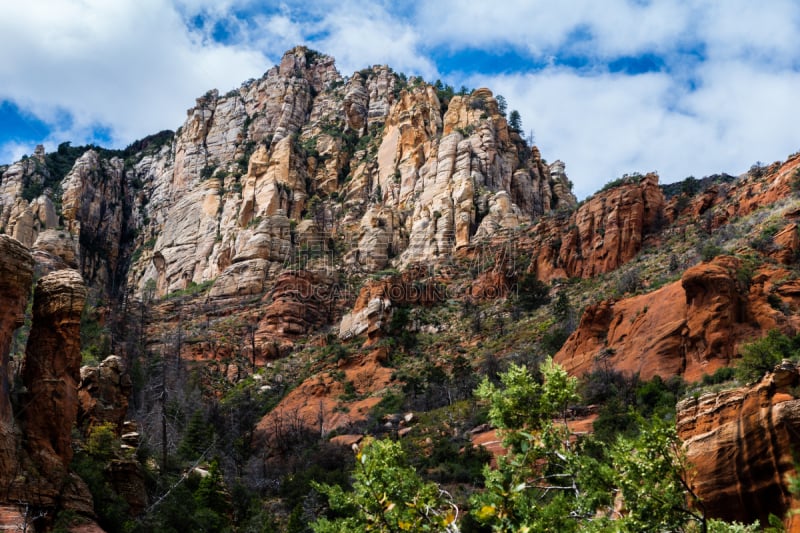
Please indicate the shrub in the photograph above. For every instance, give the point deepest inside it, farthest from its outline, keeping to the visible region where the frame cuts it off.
(531, 292)
(722, 375)
(629, 282)
(762, 355)
(709, 251)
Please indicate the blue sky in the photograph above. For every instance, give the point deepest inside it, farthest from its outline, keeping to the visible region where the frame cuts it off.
(683, 88)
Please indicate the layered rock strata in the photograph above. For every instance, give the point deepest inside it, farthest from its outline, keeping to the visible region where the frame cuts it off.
(741, 443)
(689, 328)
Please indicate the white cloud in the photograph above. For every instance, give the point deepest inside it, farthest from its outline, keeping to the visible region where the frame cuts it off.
(613, 27)
(763, 32)
(13, 151)
(605, 125)
(358, 38)
(130, 64)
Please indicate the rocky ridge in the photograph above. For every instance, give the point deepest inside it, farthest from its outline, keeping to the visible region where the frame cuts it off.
(306, 203)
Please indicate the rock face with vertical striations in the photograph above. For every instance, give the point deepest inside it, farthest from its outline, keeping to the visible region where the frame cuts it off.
(16, 276)
(51, 371)
(604, 233)
(380, 164)
(35, 439)
(741, 443)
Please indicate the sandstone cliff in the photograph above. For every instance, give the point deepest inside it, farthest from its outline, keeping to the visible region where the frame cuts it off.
(604, 233)
(35, 439)
(689, 328)
(374, 161)
(741, 443)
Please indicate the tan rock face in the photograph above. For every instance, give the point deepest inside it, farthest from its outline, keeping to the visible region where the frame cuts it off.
(373, 161)
(93, 209)
(18, 217)
(103, 394)
(741, 443)
(55, 250)
(688, 328)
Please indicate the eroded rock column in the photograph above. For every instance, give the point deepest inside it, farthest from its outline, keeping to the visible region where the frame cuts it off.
(51, 372)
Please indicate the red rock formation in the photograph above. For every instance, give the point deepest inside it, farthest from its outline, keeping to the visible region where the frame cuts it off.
(34, 455)
(604, 233)
(741, 443)
(16, 276)
(687, 328)
(316, 405)
(787, 242)
(301, 302)
(740, 198)
(51, 371)
(103, 394)
(378, 298)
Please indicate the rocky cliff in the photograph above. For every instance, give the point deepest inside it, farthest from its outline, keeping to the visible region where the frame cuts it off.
(741, 443)
(689, 328)
(36, 435)
(317, 243)
(604, 233)
(373, 167)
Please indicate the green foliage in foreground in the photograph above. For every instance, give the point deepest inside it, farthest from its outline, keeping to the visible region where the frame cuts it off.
(549, 480)
(762, 355)
(388, 495)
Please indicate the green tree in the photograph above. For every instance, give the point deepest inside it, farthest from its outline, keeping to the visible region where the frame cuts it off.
(502, 104)
(532, 293)
(388, 496)
(537, 485)
(762, 355)
(212, 504)
(652, 475)
(549, 480)
(515, 121)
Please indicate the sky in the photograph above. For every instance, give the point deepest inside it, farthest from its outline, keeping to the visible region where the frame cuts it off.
(692, 87)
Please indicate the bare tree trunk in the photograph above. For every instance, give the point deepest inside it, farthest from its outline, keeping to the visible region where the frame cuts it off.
(163, 415)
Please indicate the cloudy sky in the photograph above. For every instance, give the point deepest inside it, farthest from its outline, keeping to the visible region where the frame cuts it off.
(683, 88)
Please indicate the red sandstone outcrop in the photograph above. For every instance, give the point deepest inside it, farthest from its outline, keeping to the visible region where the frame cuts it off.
(688, 328)
(378, 298)
(301, 301)
(742, 444)
(51, 371)
(16, 276)
(321, 403)
(761, 186)
(604, 233)
(35, 448)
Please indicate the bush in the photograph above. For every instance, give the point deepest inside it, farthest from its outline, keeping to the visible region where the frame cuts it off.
(532, 293)
(629, 282)
(722, 375)
(762, 355)
(710, 251)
